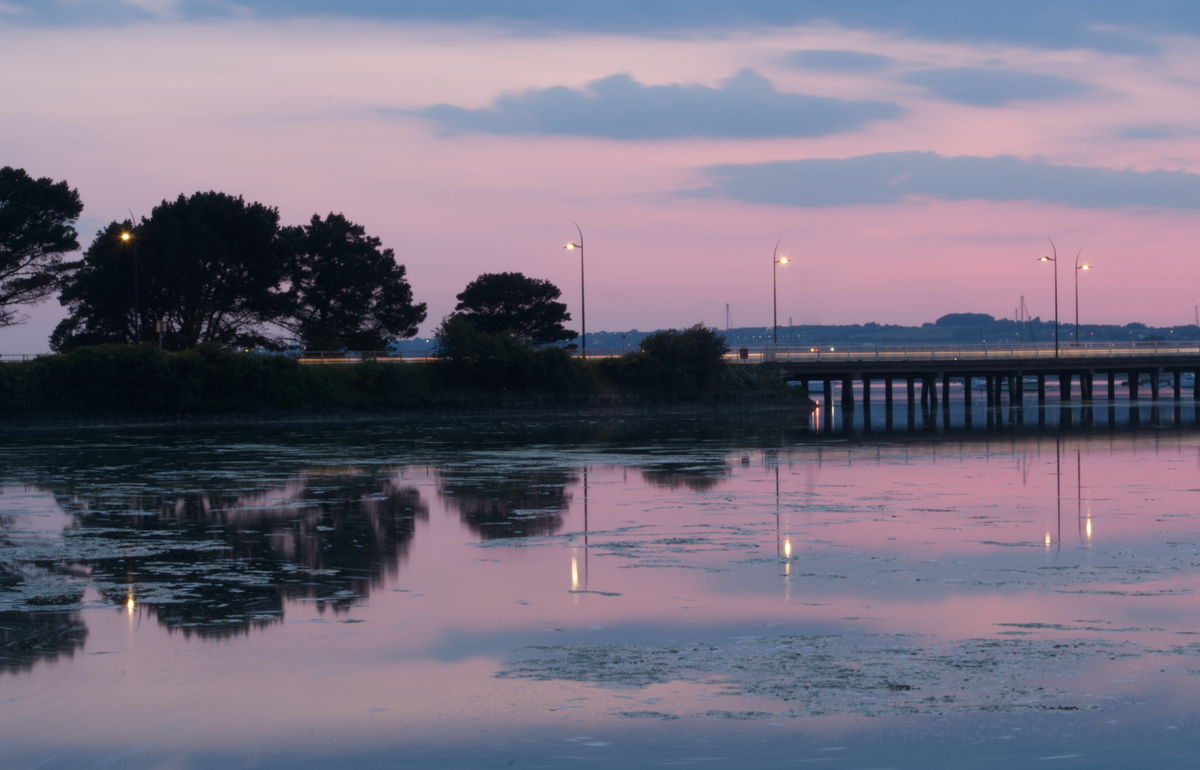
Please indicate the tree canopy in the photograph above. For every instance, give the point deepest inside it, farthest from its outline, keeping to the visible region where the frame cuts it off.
(37, 218)
(345, 291)
(210, 265)
(510, 302)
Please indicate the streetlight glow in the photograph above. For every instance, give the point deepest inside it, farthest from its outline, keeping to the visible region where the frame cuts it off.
(776, 262)
(124, 236)
(1054, 259)
(1078, 267)
(582, 289)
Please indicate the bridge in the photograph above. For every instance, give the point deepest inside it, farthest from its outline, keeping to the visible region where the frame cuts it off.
(1003, 369)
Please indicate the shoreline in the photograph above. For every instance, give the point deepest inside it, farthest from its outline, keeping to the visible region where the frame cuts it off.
(592, 409)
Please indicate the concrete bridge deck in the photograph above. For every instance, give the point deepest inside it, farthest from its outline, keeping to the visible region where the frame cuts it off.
(1002, 368)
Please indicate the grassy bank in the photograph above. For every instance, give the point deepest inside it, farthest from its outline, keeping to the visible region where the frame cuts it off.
(128, 379)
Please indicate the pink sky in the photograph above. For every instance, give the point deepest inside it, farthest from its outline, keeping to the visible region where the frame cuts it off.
(295, 114)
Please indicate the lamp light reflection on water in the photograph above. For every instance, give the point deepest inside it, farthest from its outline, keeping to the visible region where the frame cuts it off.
(574, 573)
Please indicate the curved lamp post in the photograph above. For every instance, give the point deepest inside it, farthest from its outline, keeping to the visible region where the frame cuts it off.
(1078, 267)
(127, 236)
(777, 260)
(1054, 259)
(582, 299)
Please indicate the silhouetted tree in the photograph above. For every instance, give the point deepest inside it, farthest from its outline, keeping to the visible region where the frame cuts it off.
(345, 291)
(209, 265)
(510, 302)
(37, 218)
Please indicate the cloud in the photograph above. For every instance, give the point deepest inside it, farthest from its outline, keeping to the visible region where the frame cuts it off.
(1156, 132)
(839, 61)
(891, 177)
(993, 88)
(618, 107)
(1108, 25)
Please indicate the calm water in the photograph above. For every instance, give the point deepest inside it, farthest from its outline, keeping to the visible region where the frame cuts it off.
(679, 591)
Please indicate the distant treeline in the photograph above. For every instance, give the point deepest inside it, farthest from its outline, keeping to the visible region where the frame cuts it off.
(952, 329)
(478, 369)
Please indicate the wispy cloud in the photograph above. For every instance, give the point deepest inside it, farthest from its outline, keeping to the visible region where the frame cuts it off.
(839, 61)
(993, 87)
(618, 107)
(1107, 25)
(891, 177)
(1160, 131)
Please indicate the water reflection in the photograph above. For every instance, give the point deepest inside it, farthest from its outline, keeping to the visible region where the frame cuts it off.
(217, 563)
(693, 477)
(500, 504)
(29, 637)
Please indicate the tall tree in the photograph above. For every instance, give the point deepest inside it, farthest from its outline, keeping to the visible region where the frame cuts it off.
(346, 292)
(209, 265)
(510, 302)
(37, 218)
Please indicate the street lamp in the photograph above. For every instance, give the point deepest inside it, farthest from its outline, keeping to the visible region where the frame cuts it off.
(1078, 267)
(582, 299)
(127, 236)
(777, 260)
(1054, 259)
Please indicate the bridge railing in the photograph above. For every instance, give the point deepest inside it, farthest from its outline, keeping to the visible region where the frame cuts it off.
(975, 352)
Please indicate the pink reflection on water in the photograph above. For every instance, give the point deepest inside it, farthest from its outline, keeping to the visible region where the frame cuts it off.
(937, 548)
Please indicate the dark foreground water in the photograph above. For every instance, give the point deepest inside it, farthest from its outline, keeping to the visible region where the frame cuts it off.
(693, 590)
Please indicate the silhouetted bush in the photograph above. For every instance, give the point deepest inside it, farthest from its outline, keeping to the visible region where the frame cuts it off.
(504, 364)
(671, 363)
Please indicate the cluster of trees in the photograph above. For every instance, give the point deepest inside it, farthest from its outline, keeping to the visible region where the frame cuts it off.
(220, 272)
(216, 269)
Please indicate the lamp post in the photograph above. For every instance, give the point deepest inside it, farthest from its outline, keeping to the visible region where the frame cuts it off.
(582, 296)
(777, 261)
(127, 236)
(1054, 259)
(1078, 267)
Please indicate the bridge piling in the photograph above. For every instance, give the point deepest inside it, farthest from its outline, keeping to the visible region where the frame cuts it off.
(827, 386)
(1196, 386)
(847, 393)
(1041, 390)
(1133, 385)
(1064, 387)
(1154, 386)
(932, 383)
(1112, 386)
(1178, 383)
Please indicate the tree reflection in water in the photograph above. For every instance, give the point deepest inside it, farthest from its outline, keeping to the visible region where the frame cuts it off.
(507, 504)
(29, 637)
(697, 478)
(325, 536)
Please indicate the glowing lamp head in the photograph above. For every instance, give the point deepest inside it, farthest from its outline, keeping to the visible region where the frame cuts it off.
(570, 246)
(783, 260)
(1045, 259)
(1085, 267)
(124, 236)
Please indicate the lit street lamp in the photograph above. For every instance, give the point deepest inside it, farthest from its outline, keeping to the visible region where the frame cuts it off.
(1054, 259)
(777, 260)
(582, 300)
(137, 326)
(1078, 267)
